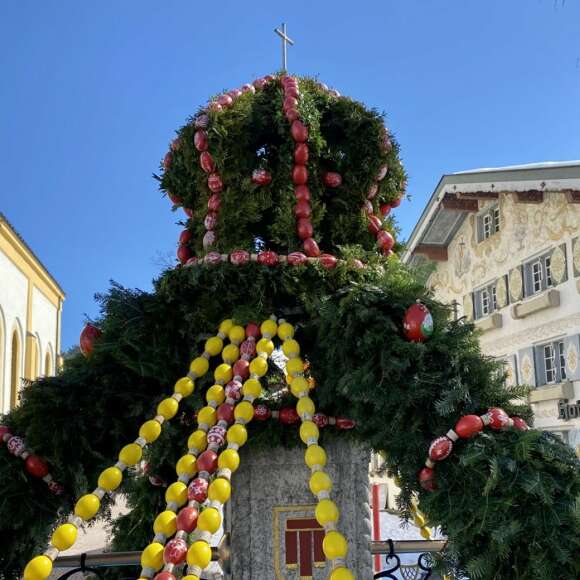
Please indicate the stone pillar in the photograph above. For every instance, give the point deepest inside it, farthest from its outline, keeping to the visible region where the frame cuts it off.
(273, 532)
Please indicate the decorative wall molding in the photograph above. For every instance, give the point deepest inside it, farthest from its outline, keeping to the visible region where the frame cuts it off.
(511, 343)
(548, 299)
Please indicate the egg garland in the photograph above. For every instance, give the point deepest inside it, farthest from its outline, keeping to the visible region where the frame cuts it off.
(64, 537)
(35, 465)
(223, 419)
(466, 428)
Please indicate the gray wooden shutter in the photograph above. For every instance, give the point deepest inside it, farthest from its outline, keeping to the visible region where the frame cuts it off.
(540, 365)
(528, 279)
(527, 367)
(479, 226)
(572, 356)
(477, 304)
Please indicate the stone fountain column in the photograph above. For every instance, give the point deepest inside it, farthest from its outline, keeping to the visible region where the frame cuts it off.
(274, 535)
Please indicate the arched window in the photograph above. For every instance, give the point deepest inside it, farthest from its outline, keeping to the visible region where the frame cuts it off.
(47, 364)
(15, 369)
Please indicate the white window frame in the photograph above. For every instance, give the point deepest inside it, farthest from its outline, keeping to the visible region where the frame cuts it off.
(537, 276)
(485, 304)
(496, 219)
(550, 374)
(488, 223)
(561, 353)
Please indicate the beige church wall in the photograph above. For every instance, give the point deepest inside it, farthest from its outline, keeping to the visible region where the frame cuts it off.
(44, 326)
(13, 296)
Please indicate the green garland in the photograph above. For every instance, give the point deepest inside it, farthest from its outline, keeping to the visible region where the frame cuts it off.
(254, 133)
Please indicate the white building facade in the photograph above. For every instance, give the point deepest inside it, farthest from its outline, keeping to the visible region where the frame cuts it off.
(504, 245)
(30, 316)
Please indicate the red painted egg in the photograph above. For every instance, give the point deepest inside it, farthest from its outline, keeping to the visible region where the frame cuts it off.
(234, 388)
(299, 131)
(225, 101)
(382, 172)
(175, 552)
(202, 121)
(440, 449)
(311, 248)
(297, 258)
(183, 254)
(520, 424)
(89, 335)
(302, 193)
(292, 115)
(299, 175)
(239, 257)
(36, 466)
(253, 330)
(289, 416)
(327, 261)
(345, 424)
(268, 258)
(212, 257)
(200, 140)
(427, 479)
(375, 224)
(261, 177)
(184, 236)
(262, 413)
(197, 489)
(207, 461)
(418, 323)
(175, 199)
(167, 160)
(332, 179)
(304, 228)
(320, 420)
(301, 154)
(214, 202)
(373, 190)
(242, 369)
(215, 183)
(385, 240)
(468, 426)
(210, 221)
(225, 412)
(247, 88)
(209, 240)
(187, 519)
(498, 419)
(302, 210)
(206, 162)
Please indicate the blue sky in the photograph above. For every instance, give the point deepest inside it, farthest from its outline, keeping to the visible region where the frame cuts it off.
(91, 92)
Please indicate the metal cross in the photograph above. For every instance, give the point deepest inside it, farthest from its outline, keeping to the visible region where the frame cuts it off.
(285, 41)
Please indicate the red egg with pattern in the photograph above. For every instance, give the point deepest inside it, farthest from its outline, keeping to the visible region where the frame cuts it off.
(268, 258)
(367, 207)
(302, 193)
(197, 489)
(175, 199)
(261, 177)
(234, 388)
(175, 551)
(200, 140)
(239, 257)
(375, 224)
(247, 88)
(311, 248)
(345, 424)
(396, 202)
(213, 258)
(304, 228)
(328, 261)
(372, 192)
(320, 420)
(297, 258)
(55, 488)
(248, 348)
(167, 160)
(214, 202)
(175, 144)
(206, 162)
(259, 83)
(289, 416)
(215, 183)
(214, 107)
(385, 209)
(262, 413)
(192, 261)
(289, 103)
(242, 369)
(292, 115)
(216, 435)
(520, 424)
(301, 154)
(183, 254)
(15, 445)
(299, 175)
(332, 179)
(498, 419)
(440, 449)
(225, 101)
(210, 221)
(385, 240)
(202, 121)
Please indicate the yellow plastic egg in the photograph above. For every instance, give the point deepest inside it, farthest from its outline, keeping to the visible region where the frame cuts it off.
(268, 328)
(341, 574)
(231, 354)
(237, 334)
(291, 348)
(285, 331)
(419, 520)
(199, 554)
(299, 385)
(165, 523)
(219, 490)
(259, 367)
(252, 388)
(237, 434)
(199, 366)
(295, 366)
(334, 545)
(110, 478)
(87, 506)
(308, 431)
(207, 415)
(131, 454)
(186, 465)
(215, 394)
(425, 533)
(64, 537)
(150, 430)
(244, 410)
(213, 345)
(190, 577)
(38, 568)
(209, 520)
(176, 492)
(320, 481)
(226, 326)
(305, 405)
(223, 373)
(198, 439)
(315, 455)
(168, 408)
(152, 556)
(326, 512)
(184, 386)
(229, 459)
(265, 345)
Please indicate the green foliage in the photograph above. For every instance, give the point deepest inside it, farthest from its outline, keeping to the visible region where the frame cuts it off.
(507, 501)
(254, 133)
